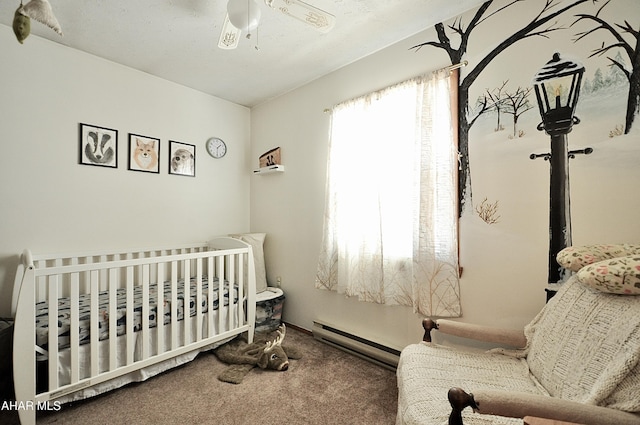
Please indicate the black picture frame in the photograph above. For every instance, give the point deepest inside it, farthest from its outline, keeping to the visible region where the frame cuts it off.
(182, 159)
(144, 153)
(98, 146)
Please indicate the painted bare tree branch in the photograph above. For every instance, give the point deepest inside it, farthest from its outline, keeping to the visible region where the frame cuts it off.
(497, 99)
(488, 211)
(482, 105)
(517, 104)
(540, 26)
(633, 52)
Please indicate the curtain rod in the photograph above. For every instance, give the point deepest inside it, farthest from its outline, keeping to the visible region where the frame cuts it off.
(449, 68)
(456, 66)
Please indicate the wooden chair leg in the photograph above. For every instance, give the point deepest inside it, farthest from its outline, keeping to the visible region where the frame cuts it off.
(459, 400)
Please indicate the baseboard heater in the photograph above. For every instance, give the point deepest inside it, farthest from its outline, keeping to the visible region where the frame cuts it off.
(377, 353)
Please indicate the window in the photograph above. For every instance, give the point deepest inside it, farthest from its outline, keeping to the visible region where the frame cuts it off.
(390, 231)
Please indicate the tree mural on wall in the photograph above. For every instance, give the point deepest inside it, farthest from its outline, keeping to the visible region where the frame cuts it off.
(535, 28)
(633, 52)
(502, 101)
(497, 99)
(517, 104)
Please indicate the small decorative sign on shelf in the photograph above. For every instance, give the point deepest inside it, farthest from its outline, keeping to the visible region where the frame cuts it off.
(270, 158)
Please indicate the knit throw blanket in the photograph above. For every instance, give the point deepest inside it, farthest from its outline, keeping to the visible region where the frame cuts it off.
(585, 346)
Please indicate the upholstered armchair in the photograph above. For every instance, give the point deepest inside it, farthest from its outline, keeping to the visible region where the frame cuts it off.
(577, 361)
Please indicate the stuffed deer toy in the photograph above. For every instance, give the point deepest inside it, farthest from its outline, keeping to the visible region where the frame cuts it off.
(262, 353)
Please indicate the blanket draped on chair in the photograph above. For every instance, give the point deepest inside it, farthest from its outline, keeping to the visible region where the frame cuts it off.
(584, 346)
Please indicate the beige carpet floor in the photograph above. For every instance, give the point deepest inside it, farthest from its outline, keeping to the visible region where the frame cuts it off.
(325, 387)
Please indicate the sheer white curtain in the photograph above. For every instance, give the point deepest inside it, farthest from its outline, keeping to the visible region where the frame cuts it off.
(390, 231)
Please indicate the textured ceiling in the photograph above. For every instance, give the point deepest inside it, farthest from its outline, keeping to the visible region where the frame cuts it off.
(177, 39)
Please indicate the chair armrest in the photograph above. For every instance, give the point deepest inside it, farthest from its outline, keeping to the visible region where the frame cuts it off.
(511, 337)
(518, 405)
(533, 420)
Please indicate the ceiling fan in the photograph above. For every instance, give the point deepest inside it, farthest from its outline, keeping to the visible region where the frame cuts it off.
(244, 15)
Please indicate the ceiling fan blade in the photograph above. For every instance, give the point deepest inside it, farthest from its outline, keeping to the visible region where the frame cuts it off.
(229, 36)
(317, 18)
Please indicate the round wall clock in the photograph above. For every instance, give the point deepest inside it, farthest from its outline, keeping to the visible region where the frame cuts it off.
(216, 147)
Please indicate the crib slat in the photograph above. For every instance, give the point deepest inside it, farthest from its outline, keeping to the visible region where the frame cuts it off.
(160, 311)
(129, 323)
(220, 275)
(75, 327)
(174, 305)
(94, 330)
(186, 276)
(53, 331)
(240, 306)
(210, 276)
(145, 311)
(199, 299)
(113, 317)
(232, 280)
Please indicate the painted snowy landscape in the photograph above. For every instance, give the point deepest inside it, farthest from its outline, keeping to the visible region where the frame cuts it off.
(506, 213)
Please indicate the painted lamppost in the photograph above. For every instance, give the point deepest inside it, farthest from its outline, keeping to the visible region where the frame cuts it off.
(557, 86)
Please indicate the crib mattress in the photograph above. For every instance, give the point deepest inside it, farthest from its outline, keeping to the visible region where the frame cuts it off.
(64, 310)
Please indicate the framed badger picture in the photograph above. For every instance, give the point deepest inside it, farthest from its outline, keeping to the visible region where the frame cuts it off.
(98, 146)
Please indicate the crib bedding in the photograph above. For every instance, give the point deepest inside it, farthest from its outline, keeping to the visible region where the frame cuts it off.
(64, 310)
(84, 353)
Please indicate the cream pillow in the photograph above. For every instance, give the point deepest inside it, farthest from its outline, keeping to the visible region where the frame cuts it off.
(619, 275)
(256, 240)
(576, 257)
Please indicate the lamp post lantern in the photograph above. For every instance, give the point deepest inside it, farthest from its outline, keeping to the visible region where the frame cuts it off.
(557, 87)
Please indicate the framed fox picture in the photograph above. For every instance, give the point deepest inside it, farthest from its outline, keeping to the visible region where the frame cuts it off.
(144, 153)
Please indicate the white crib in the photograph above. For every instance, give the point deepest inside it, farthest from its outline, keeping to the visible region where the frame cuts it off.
(169, 304)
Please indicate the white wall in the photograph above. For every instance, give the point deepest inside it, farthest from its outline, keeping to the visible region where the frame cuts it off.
(505, 265)
(289, 207)
(51, 203)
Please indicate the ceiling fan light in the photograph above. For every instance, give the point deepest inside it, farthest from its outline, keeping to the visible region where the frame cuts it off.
(244, 14)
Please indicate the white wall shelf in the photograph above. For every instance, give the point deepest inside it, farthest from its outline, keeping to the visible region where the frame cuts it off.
(270, 169)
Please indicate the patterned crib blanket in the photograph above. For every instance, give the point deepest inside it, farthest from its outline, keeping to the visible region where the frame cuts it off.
(64, 311)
